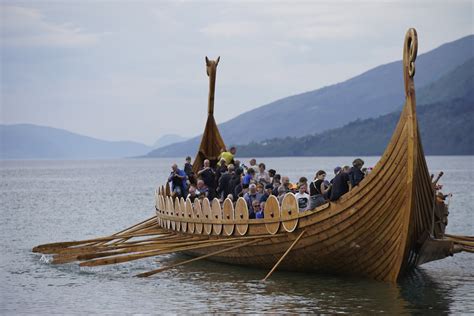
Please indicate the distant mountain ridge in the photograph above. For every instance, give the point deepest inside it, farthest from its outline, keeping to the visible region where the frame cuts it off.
(28, 141)
(446, 126)
(168, 139)
(375, 92)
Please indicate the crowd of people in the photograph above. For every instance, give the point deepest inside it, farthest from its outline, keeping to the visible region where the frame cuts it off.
(230, 178)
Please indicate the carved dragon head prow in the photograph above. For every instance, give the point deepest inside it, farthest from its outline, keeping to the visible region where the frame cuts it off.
(211, 66)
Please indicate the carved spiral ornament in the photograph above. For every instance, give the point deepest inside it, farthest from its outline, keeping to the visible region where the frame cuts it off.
(411, 43)
(410, 51)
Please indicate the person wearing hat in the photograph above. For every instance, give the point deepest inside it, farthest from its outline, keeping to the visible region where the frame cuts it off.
(355, 174)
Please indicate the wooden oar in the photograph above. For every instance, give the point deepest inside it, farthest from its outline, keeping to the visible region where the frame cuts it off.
(67, 255)
(284, 255)
(152, 272)
(146, 254)
(65, 244)
(467, 238)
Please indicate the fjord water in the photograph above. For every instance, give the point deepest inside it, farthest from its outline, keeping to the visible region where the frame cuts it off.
(48, 201)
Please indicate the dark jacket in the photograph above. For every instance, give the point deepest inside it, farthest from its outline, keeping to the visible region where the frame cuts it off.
(355, 176)
(340, 186)
(225, 185)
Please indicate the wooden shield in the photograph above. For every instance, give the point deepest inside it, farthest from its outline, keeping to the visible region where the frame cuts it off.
(241, 214)
(182, 205)
(198, 215)
(272, 212)
(175, 224)
(163, 205)
(157, 200)
(167, 189)
(169, 211)
(216, 212)
(207, 216)
(228, 215)
(188, 214)
(289, 212)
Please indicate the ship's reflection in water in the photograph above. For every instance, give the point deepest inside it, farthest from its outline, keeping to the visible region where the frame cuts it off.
(235, 289)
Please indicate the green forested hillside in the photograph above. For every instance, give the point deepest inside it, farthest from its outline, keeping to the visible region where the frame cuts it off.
(447, 128)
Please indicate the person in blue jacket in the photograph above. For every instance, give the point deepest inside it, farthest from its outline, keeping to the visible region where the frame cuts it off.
(178, 181)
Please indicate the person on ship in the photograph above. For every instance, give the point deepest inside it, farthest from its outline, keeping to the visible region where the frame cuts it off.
(225, 183)
(303, 198)
(253, 165)
(262, 176)
(318, 190)
(327, 195)
(235, 186)
(202, 189)
(249, 177)
(188, 167)
(251, 196)
(228, 156)
(271, 173)
(285, 182)
(340, 184)
(192, 193)
(178, 179)
(301, 181)
(221, 169)
(267, 193)
(356, 175)
(281, 192)
(208, 175)
(259, 209)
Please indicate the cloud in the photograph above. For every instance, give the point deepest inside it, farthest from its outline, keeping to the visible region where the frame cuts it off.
(26, 27)
(230, 29)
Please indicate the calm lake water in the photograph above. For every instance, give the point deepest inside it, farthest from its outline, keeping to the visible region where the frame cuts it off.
(47, 201)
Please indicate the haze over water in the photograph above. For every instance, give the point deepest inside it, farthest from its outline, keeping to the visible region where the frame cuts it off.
(48, 201)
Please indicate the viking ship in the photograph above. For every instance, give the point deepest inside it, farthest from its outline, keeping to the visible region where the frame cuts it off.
(384, 227)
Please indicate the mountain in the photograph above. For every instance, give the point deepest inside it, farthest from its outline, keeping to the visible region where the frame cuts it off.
(446, 126)
(168, 139)
(376, 92)
(446, 129)
(27, 141)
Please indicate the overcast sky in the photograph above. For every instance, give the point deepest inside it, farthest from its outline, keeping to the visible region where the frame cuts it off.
(135, 70)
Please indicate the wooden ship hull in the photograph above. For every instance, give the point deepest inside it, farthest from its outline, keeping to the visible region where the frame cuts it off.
(381, 229)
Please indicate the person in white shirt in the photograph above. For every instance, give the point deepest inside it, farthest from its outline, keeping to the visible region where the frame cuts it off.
(253, 165)
(303, 198)
(262, 176)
